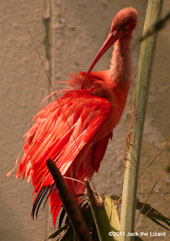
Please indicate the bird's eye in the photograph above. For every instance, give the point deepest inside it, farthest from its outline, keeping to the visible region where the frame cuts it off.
(124, 29)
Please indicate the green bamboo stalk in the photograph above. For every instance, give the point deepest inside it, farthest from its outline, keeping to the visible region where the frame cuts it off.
(132, 165)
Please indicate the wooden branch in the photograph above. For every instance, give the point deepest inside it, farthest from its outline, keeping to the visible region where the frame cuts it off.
(133, 157)
(69, 204)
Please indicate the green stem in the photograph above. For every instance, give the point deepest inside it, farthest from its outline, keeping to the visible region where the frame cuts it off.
(103, 222)
(133, 157)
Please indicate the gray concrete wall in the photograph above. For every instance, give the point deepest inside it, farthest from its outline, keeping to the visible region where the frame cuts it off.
(23, 85)
(78, 28)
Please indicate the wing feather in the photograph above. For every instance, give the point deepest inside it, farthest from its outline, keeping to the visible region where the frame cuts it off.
(63, 131)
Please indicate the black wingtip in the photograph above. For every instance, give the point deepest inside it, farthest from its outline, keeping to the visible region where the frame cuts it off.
(40, 197)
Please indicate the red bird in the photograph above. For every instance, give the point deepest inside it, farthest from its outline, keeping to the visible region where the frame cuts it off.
(74, 129)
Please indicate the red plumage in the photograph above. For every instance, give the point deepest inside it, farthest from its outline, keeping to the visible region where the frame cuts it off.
(63, 131)
(74, 129)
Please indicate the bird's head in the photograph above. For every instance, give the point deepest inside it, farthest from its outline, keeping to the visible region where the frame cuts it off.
(124, 23)
(122, 27)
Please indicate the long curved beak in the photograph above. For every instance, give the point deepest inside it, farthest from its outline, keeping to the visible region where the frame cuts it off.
(112, 37)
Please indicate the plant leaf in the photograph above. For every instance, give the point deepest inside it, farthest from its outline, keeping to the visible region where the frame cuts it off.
(153, 214)
(112, 214)
(57, 232)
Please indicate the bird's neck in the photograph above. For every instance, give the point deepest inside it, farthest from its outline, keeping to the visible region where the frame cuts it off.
(120, 68)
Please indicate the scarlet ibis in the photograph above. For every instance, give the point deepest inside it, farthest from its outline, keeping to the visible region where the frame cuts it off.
(74, 129)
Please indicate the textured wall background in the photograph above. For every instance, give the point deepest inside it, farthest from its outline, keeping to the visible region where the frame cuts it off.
(76, 31)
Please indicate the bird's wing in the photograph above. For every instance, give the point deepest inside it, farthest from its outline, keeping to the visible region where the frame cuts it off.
(91, 158)
(60, 131)
(81, 168)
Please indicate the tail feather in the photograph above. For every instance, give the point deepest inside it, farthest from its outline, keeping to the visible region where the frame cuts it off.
(56, 204)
